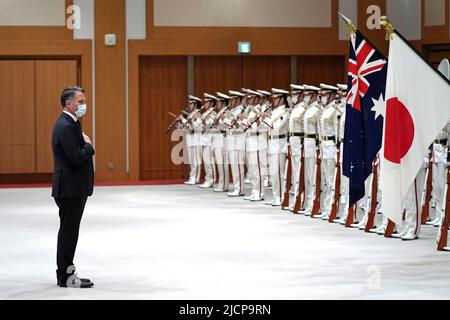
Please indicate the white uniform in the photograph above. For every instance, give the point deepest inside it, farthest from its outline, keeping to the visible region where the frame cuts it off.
(196, 136)
(256, 148)
(413, 206)
(207, 154)
(277, 148)
(236, 148)
(296, 136)
(310, 127)
(344, 192)
(246, 155)
(220, 155)
(440, 148)
(328, 127)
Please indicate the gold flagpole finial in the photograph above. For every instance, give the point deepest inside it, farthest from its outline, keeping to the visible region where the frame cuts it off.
(349, 26)
(387, 25)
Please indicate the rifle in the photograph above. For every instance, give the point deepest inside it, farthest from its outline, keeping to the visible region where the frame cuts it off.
(443, 232)
(174, 122)
(287, 180)
(428, 187)
(301, 183)
(373, 203)
(350, 216)
(337, 188)
(316, 205)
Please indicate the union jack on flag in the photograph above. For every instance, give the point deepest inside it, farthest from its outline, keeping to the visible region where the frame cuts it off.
(367, 72)
(360, 65)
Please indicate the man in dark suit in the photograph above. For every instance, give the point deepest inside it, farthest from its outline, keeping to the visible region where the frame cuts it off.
(73, 181)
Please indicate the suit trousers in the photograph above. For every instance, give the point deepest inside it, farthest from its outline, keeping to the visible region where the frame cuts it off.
(70, 213)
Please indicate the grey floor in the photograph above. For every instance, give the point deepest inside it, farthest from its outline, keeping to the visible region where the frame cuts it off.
(182, 242)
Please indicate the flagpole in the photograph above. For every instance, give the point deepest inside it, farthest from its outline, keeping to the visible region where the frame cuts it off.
(388, 26)
(354, 30)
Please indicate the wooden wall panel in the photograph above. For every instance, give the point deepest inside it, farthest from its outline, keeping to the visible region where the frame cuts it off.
(17, 114)
(110, 115)
(52, 76)
(266, 72)
(314, 70)
(163, 88)
(217, 73)
(25, 33)
(376, 36)
(223, 40)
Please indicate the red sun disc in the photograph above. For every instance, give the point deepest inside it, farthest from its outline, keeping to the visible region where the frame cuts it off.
(399, 131)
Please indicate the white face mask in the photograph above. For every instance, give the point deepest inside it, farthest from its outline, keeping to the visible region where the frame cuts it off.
(307, 98)
(290, 101)
(81, 111)
(294, 99)
(324, 100)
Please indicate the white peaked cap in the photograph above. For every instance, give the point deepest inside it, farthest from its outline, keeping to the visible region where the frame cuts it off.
(236, 93)
(256, 93)
(222, 95)
(209, 96)
(324, 86)
(297, 87)
(310, 88)
(343, 87)
(191, 97)
(279, 91)
(264, 92)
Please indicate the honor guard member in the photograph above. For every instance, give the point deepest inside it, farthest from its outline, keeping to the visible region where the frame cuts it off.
(266, 107)
(218, 133)
(277, 123)
(196, 129)
(235, 142)
(327, 131)
(310, 119)
(208, 162)
(344, 191)
(440, 149)
(243, 116)
(256, 146)
(296, 135)
(413, 207)
(194, 105)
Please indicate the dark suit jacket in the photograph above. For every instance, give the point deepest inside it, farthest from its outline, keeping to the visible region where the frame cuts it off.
(73, 174)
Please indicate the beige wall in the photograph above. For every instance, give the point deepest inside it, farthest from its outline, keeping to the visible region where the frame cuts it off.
(240, 13)
(32, 12)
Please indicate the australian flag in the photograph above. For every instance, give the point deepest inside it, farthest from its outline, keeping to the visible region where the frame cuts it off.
(367, 71)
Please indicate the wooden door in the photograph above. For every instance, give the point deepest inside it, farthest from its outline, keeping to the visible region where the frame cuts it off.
(17, 114)
(314, 70)
(266, 72)
(163, 89)
(217, 73)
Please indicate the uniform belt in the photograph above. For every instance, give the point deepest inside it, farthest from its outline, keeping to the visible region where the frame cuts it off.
(328, 138)
(235, 132)
(441, 141)
(256, 134)
(282, 136)
(221, 132)
(311, 136)
(296, 134)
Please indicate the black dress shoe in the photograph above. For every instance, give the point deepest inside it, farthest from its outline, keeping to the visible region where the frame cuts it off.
(70, 279)
(74, 282)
